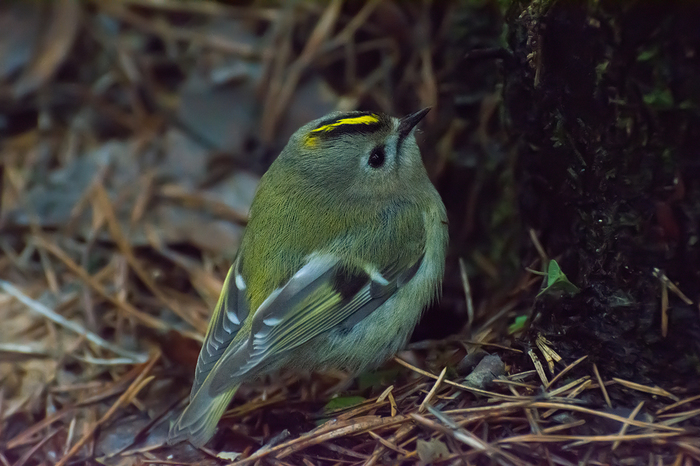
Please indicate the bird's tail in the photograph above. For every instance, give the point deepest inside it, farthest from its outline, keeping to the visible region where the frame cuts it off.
(198, 422)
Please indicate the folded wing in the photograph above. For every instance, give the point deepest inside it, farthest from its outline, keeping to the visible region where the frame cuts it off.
(322, 295)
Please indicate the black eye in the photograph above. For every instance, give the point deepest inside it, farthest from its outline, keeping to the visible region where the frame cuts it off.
(376, 157)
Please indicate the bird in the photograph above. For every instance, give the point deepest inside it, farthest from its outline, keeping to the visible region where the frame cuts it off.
(344, 248)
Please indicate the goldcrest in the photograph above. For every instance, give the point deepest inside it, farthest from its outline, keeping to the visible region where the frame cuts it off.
(344, 248)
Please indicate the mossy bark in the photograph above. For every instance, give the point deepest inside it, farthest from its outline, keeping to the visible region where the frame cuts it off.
(605, 97)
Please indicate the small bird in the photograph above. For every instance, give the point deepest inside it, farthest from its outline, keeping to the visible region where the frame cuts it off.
(344, 248)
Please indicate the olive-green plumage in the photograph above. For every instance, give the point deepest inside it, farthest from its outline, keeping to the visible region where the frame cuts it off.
(344, 248)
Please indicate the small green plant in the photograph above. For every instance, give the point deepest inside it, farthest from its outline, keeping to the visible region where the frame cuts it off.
(342, 402)
(556, 280)
(517, 325)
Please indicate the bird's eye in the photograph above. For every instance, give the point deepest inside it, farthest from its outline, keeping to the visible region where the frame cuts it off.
(376, 157)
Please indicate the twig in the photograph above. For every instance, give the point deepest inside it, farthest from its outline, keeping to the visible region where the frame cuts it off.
(574, 393)
(276, 104)
(538, 367)
(30, 453)
(39, 308)
(643, 388)
(679, 417)
(458, 385)
(664, 308)
(432, 391)
(24, 437)
(570, 385)
(464, 436)
(624, 427)
(602, 386)
(328, 431)
(400, 434)
(136, 386)
(130, 310)
(538, 246)
(550, 430)
(530, 438)
(467, 293)
(388, 444)
(677, 404)
(671, 286)
(104, 205)
(564, 371)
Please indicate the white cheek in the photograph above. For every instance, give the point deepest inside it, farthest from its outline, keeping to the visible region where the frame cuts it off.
(390, 148)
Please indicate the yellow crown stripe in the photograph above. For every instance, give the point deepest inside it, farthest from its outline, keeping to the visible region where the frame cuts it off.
(360, 120)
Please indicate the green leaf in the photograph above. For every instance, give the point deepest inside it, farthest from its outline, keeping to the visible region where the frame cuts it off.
(518, 325)
(553, 272)
(342, 402)
(557, 281)
(646, 55)
(661, 99)
(601, 69)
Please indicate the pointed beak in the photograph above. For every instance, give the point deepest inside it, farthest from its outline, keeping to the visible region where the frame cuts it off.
(409, 122)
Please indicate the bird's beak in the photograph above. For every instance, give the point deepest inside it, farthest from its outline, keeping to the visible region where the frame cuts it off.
(407, 123)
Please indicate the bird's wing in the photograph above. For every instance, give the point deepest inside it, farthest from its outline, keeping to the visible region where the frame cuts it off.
(231, 311)
(322, 294)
